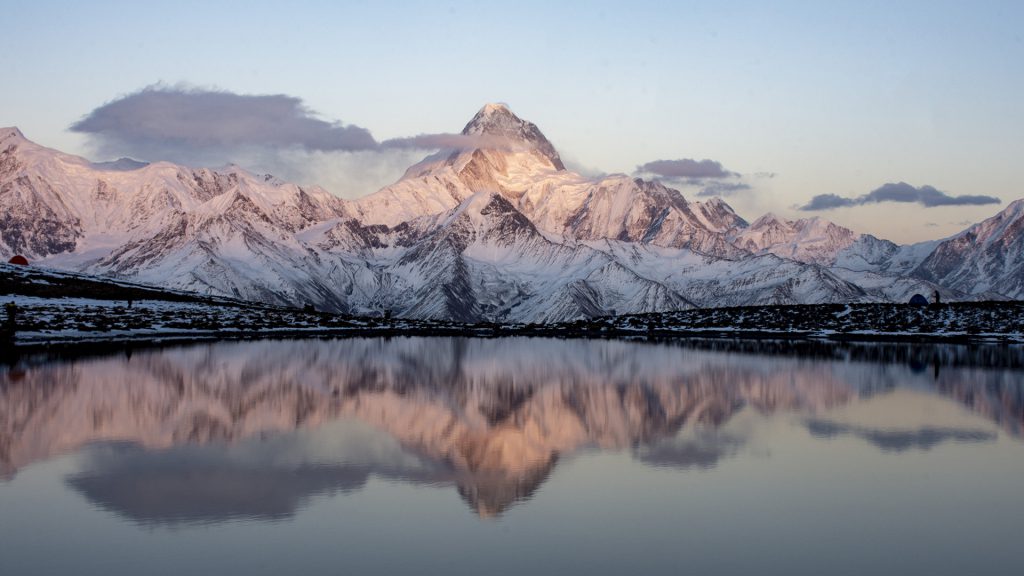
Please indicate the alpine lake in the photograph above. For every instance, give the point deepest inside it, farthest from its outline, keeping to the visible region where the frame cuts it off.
(429, 455)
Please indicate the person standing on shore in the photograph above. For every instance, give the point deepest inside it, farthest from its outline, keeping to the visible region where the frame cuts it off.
(11, 323)
(12, 315)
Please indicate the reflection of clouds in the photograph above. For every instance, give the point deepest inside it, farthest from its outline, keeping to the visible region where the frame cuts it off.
(202, 484)
(702, 450)
(924, 438)
(221, 482)
(151, 489)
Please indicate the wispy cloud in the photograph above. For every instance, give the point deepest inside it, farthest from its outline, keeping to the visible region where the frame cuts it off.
(926, 196)
(452, 142)
(723, 188)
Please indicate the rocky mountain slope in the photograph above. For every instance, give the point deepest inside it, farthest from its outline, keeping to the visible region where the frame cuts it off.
(498, 230)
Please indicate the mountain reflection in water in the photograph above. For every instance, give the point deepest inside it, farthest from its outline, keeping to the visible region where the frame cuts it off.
(195, 434)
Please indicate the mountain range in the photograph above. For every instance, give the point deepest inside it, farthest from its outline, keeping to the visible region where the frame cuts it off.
(501, 232)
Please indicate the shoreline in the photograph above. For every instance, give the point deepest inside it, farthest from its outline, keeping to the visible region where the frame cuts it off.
(39, 343)
(43, 323)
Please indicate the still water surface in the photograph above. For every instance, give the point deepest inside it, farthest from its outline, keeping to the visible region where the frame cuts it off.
(513, 456)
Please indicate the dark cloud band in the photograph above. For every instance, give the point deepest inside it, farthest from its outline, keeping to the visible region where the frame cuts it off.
(177, 116)
(723, 188)
(926, 196)
(686, 168)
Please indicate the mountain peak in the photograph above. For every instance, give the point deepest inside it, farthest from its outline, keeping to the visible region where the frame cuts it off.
(498, 120)
(768, 219)
(495, 107)
(11, 132)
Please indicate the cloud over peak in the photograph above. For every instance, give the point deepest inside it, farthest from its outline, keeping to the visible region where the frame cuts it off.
(926, 196)
(270, 132)
(186, 124)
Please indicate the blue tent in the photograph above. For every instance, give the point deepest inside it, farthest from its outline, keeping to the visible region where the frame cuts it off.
(918, 300)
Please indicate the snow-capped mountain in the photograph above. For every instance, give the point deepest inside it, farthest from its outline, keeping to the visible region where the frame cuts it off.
(987, 257)
(523, 167)
(985, 260)
(810, 240)
(484, 259)
(227, 232)
(868, 253)
(498, 230)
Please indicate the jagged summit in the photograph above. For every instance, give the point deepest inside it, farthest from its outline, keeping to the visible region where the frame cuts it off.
(498, 120)
(768, 219)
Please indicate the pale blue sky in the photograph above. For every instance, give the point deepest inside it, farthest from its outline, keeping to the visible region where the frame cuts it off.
(832, 97)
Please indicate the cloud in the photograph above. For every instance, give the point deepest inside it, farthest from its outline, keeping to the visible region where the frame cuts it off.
(451, 142)
(704, 450)
(927, 196)
(265, 133)
(828, 202)
(686, 168)
(165, 117)
(723, 188)
(204, 484)
(709, 176)
(923, 439)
